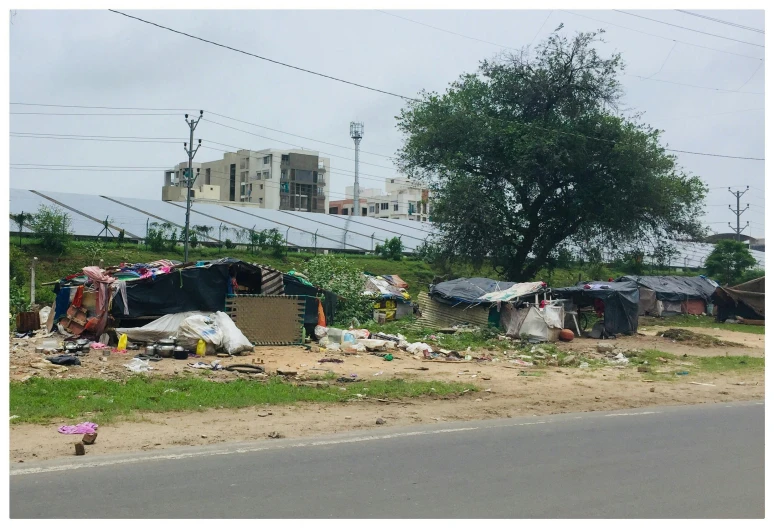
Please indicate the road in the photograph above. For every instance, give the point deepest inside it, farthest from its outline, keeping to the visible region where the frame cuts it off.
(703, 461)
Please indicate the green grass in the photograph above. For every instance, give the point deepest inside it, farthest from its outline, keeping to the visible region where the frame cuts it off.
(41, 400)
(700, 321)
(699, 364)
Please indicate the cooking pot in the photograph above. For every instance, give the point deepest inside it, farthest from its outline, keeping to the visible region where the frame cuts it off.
(82, 342)
(180, 353)
(164, 350)
(71, 346)
(166, 342)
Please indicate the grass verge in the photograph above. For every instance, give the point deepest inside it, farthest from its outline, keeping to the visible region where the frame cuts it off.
(40, 400)
(667, 370)
(699, 321)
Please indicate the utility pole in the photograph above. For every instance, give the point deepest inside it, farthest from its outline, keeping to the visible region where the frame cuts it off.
(356, 133)
(738, 212)
(189, 177)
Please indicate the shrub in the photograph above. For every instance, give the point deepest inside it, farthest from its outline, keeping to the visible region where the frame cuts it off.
(338, 275)
(53, 227)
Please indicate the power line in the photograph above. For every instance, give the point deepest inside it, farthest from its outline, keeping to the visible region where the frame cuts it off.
(719, 21)
(751, 77)
(689, 29)
(715, 155)
(693, 85)
(82, 114)
(209, 112)
(265, 58)
(446, 30)
(662, 37)
(541, 27)
(674, 44)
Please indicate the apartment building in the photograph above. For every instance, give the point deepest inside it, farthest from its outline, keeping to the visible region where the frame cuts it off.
(401, 200)
(291, 180)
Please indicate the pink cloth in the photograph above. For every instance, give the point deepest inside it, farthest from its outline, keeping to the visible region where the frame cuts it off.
(81, 428)
(102, 280)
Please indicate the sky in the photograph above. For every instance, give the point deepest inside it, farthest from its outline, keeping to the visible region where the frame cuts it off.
(705, 91)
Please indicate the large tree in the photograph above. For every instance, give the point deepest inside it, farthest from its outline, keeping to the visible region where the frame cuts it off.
(530, 154)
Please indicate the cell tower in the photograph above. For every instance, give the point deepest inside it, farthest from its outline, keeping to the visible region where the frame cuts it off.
(356, 133)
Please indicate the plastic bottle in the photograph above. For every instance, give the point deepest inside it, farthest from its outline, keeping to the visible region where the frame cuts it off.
(122, 342)
(201, 348)
(348, 337)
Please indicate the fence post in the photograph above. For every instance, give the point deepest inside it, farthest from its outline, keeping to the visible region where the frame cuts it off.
(32, 281)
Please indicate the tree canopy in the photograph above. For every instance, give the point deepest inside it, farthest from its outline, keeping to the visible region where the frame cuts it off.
(530, 154)
(729, 261)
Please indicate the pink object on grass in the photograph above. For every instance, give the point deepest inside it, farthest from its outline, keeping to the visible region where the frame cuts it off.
(81, 428)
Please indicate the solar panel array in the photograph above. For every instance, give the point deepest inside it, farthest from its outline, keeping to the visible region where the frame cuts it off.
(300, 229)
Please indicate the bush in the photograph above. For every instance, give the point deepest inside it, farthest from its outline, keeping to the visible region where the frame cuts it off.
(229, 244)
(392, 249)
(338, 275)
(729, 262)
(53, 227)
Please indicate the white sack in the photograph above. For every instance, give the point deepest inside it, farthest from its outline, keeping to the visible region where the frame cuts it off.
(164, 327)
(234, 341)
(199, 326)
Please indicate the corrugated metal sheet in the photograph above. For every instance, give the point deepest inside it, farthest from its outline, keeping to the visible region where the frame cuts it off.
(438, 315)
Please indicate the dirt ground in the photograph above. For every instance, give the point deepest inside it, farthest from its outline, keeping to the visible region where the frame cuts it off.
(503, 392)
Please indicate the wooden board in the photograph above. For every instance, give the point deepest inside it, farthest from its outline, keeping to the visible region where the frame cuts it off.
(439, 315)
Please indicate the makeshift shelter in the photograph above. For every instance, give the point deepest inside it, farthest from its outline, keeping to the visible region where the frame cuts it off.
(746, 300)
(515, 307)
(620, 299)
(665, 295)
(393, 299)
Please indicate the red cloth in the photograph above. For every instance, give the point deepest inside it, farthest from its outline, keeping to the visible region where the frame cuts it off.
(78, 298)
(599, 307)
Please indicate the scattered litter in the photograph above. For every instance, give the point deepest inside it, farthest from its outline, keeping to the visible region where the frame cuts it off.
(417, 348)
(330, 360)
(81, 428)
(703, 384)
(275, 434)
(619, 359)
(138, 365)
(583, 365)
(166, 391)
(388, 357)
(64, 360)
(379, 373)
(521, 362)
(15, 416)
(682, 373)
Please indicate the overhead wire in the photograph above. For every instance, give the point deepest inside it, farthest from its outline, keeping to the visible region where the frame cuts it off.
(265, 58)
(662, 37)
(726, 22)
(689, 29)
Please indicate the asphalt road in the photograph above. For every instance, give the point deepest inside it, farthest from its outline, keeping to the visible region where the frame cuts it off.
(702, 461)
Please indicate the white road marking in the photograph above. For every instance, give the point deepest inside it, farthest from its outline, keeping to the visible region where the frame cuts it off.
(269, 446)
(634, 414)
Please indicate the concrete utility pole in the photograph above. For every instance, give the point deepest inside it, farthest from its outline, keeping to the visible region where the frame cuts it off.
(189, 178)
(356, 133)
(738, 212)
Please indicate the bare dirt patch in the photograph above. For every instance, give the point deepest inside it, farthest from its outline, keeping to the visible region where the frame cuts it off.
(505, 390)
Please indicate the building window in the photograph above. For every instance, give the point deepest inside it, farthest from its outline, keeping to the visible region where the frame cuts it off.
(286, 157)
(266, 160)
(260, 200)
(284, 175)
(345, 211)
(266, 175)
(207, 176)
(232, 183)
(261, 186)
(333, 210)
(370, 208)
(395, 207)
(384, 206)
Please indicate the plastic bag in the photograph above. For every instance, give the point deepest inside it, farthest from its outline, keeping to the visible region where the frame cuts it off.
(416, 348)
(234, 341)
(320, 331)
(138, 365)
(201, 348)
(45, 312)
(122, 342)
(199, 327)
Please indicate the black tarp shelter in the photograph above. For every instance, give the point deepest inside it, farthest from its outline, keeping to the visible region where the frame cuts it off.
(746, 300)
(466, 290)
(677, 294)
(621, 301)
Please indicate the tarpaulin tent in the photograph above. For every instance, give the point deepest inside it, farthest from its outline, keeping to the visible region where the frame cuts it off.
(621, 300)
(674, 294)
(466, 290)
(746, 300)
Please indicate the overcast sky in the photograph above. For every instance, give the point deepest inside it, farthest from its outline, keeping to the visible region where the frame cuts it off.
(98, 58)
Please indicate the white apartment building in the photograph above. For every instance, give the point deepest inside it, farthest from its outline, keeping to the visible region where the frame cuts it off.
(401, 200)
(293, 180)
